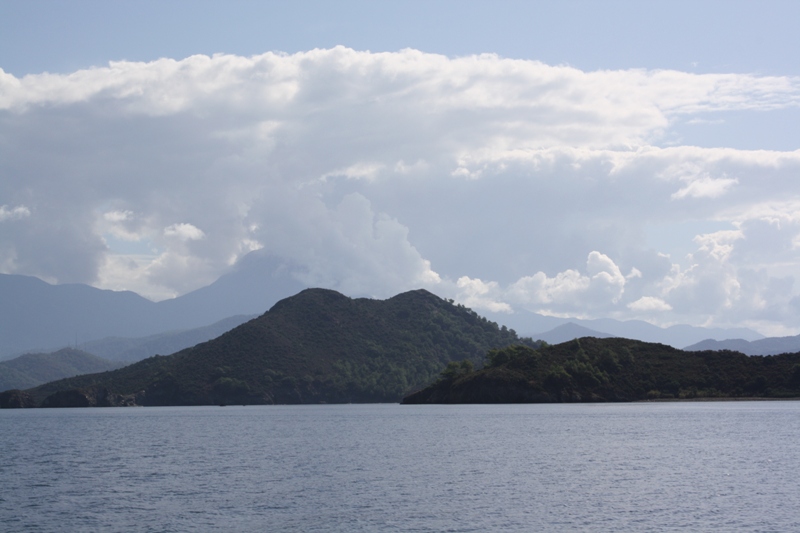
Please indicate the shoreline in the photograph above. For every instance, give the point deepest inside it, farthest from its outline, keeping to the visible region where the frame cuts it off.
(721, 399)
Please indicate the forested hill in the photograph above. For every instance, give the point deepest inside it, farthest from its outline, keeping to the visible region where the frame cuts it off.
(592, 370)
(317, 346)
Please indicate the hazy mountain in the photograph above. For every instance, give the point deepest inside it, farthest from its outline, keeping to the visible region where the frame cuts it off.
(317, 346)
(131, 350)
(767, 346)
(534, 325)
(677, 336)
(37, 316)
(567, 332)
(33, 369)
(253, 285)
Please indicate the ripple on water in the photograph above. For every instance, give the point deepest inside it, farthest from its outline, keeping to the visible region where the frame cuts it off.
(633, 467)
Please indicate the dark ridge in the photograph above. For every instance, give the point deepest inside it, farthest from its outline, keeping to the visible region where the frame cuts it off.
(613, 370)
(317, 346)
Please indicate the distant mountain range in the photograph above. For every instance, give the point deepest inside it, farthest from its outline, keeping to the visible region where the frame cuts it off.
(768, 346)
(37, 316)
(538, 326)
(567, 332)
(762, 346)
(130, 350)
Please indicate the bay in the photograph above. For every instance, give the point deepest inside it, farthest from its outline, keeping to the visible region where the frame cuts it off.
(711, 466)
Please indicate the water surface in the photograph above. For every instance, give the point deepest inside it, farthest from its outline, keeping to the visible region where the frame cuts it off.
(723, 466)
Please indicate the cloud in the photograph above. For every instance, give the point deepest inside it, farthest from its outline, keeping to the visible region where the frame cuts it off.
(649, 303)
(705, 187)
(571, 291)
(184, 232)
(504, 183)
(14, 213)
(477, 294)
(364, 170)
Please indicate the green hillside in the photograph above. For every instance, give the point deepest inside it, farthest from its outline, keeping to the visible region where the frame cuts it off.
(317, 346)
(591, 369)
(33, 369)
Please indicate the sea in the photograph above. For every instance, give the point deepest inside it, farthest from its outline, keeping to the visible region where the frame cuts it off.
(662, 466)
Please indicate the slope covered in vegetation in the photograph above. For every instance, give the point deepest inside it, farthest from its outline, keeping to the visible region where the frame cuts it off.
(591, 369)
(317, 346)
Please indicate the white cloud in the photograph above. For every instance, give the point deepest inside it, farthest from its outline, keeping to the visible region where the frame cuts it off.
(359, 251)
(718, 245)
(365, 171)
(602, 285)
(121, 225)
(479, 295)
(117, 216)
(504, 183)
(649, 303)
(184, 232)
(705, 187)
(14, 213)
(634, 273)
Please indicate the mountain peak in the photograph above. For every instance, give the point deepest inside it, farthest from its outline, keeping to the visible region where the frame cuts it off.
(316, 346)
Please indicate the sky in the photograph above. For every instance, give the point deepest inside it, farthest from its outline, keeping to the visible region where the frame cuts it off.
(576, 159)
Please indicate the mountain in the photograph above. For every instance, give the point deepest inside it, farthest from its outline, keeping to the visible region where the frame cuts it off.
(768, 346)
(253, 285)
(317, 346)
(676, 336)
(615, 369)
(534, 325)
(37, 316)
(130, 350)
(567, 332)
(33, 369)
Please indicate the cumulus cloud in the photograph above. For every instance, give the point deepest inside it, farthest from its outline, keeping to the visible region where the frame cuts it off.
(477, 294)
(504, 183)
(571, 291)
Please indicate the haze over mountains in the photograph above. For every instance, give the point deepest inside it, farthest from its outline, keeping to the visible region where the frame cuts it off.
(33, 369)
(38, 317)
(768, 346)
(678, 336)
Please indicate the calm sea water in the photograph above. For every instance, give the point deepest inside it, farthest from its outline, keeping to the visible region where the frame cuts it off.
(728, 466)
